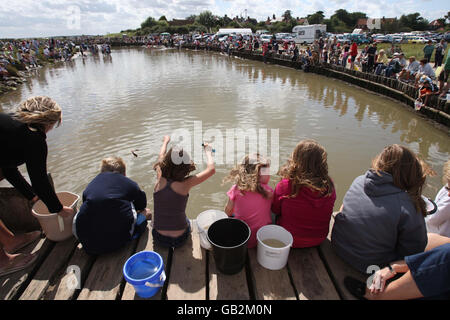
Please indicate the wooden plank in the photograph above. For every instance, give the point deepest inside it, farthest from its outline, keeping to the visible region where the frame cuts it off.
(146, 244)
(187, 274)
(226, 287)
(310, 276)
(270, 284)
(106, 275)
(49, 269)
(12, 285)
(338, 269)
(67, 283)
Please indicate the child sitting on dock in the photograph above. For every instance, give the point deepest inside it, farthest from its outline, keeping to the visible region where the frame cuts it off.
(250, 198)
(304, 198)
(113, 210)
(171, 228)
(440, 221)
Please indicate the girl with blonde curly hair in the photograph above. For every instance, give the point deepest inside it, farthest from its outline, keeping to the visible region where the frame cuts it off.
(23, 141)
(250, 197)
(305, 196)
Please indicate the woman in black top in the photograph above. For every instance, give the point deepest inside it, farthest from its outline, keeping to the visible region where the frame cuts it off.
(23, 141)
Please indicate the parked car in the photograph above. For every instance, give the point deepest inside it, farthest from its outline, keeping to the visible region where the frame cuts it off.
(447, 37)
(397, 39)
(265, 37)
(418, 40)
(383, 39)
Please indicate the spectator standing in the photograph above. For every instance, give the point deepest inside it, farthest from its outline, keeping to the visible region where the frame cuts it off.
(428, 50)
(439, 54)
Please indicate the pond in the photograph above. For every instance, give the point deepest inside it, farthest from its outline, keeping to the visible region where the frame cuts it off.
(132, 99)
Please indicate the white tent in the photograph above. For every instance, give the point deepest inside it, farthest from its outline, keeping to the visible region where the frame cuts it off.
(242, 31)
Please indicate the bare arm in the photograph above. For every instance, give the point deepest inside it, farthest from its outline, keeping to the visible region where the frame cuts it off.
(229, 207)
(162, 153)
(205, 174)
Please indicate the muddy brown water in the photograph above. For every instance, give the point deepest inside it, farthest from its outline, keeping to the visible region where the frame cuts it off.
(132, 99)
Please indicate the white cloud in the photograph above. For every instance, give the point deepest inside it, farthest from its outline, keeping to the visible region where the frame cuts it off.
(28, 18)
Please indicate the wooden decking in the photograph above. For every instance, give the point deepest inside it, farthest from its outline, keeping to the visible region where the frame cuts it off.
(311, 274)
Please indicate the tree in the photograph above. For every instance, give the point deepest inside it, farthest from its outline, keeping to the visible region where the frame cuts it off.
(414, 21)
(162, 18)
(192, 17)
(343, 15)
(316, 18)
(148, 23)
(207, 19)
(287, 16)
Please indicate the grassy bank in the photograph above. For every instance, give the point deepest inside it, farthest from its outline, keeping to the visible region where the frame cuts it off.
(409, 49)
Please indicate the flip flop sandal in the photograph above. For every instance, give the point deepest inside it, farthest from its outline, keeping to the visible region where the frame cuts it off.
(23, 245)
(355, 287)
(7, 271)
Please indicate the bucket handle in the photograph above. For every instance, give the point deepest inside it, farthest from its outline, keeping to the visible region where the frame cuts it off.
(61, 223)
(162, 278)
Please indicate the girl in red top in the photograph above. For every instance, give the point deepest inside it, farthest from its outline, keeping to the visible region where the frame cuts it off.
(353, 53)
(304, 199)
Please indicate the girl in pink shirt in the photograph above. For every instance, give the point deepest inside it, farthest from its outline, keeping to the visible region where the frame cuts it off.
(304, 199)
(250, 198)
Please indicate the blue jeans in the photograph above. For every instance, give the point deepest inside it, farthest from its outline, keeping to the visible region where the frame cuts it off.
(171, 242)
(139, 225)
(431, 272)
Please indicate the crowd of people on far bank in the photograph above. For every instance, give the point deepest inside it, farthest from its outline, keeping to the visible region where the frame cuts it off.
(384, 220)
(24, 55)
(390, 63)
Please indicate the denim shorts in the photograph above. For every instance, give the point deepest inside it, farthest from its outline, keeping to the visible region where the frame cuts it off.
(431, 272)
(171, 242)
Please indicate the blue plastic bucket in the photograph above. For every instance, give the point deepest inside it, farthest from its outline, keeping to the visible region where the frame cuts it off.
(145, 271)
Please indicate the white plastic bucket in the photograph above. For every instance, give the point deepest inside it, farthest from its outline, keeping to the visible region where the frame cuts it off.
(204, 221)
(55, 227)
(269, 257)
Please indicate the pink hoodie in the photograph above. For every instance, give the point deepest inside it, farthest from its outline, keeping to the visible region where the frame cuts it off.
(306, 217)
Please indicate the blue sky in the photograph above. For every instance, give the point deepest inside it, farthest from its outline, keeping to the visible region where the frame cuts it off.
(30, 18)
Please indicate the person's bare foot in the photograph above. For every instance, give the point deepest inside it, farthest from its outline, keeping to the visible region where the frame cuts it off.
(148, 214)
(16, 262)
(21, 240)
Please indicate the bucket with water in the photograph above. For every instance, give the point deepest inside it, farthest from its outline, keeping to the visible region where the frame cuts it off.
(274, 244)
(145, 272)
(229, 238)
(204, 221)
(55, 227)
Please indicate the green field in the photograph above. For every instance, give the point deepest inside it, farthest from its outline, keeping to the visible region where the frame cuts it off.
(409, 49)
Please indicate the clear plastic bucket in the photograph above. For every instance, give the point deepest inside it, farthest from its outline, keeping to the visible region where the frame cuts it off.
(204, 221)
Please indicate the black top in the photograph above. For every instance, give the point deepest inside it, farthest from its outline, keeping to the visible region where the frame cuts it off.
(105, 219)
(170, 209)
(21, 145)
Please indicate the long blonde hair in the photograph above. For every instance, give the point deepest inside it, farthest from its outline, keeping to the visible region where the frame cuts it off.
(308, 167)
(39, 112)
(246, 176)
(408, 172)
